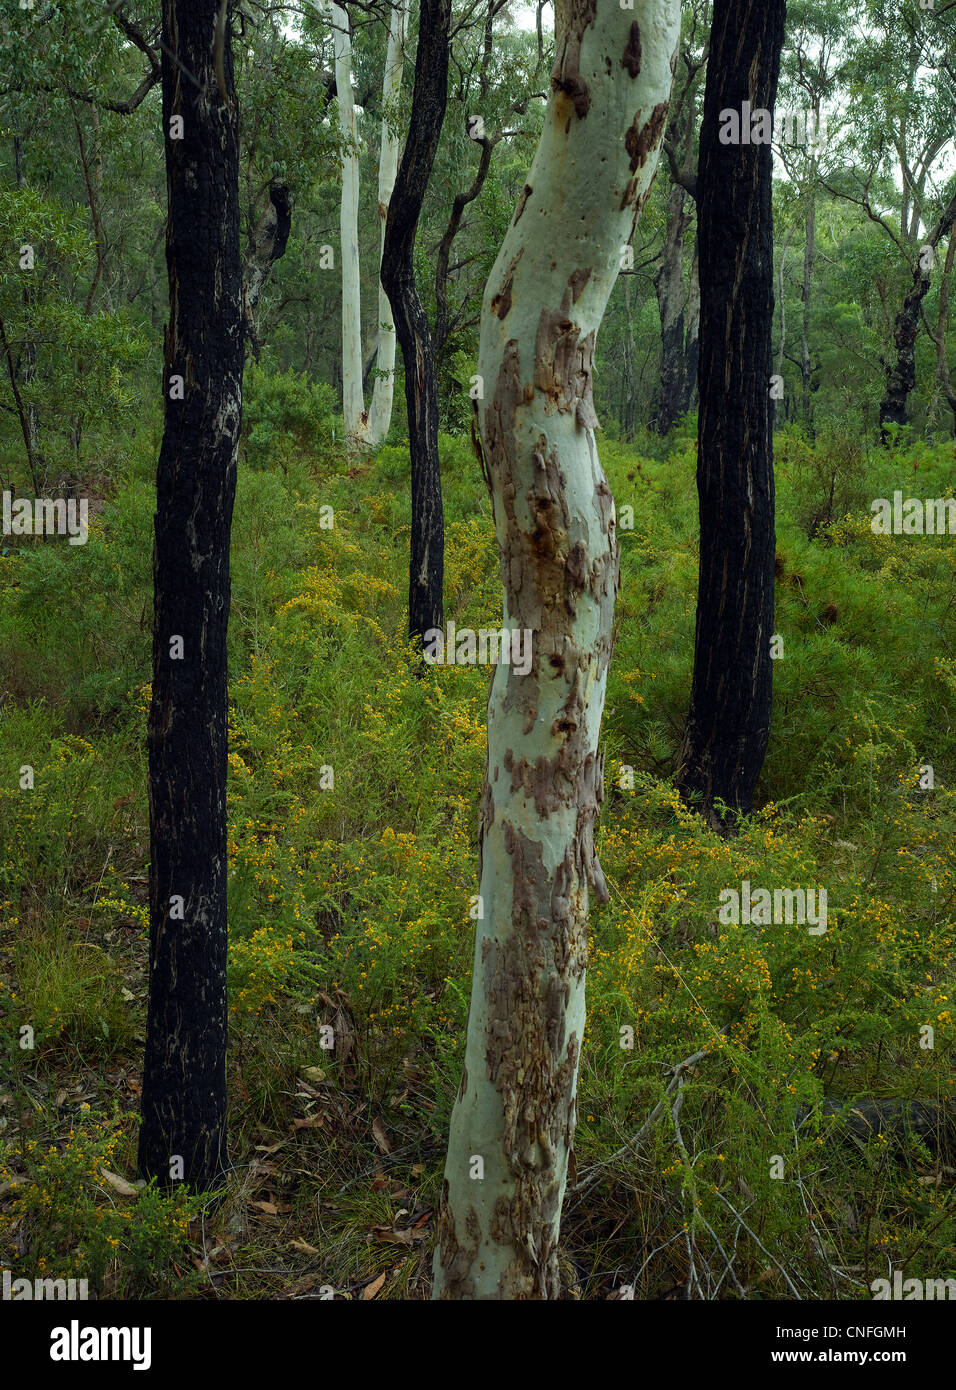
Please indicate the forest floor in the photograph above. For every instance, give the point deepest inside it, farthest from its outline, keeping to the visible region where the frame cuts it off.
(354, 787)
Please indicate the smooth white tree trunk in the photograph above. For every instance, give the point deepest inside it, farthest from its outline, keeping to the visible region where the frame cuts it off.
(513, 1123)
(353, 403)
(380, 411)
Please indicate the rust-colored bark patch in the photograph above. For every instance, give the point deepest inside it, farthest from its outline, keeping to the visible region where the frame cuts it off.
(577, 281)
(501, 302)
(530, 1061)
(566, 73)
(633, 51)
(641, 139)
(523, 197)
(564, 362)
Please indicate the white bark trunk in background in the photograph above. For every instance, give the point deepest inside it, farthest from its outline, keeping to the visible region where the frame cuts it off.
(514, 1118)
(353, 403)
(380, 411)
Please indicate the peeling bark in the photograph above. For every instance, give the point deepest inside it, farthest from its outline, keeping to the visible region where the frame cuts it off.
(555, 523)
(184, 1076)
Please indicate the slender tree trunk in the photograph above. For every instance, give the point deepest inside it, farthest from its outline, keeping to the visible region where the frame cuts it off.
(692, 333)
(380, 411)
(627, 376)
(429, 98)
(901, 374)
(729, 721)
(513, 1122)
(267, 244)
(184, 1079)
(23, 410)
(809, 257)
(353, 404)
(27, 359)
(942, 326)
(780, 407)
(671, 297)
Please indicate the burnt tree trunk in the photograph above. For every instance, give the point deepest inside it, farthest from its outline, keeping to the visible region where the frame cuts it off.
(692, 334)
(267, 244)
(671, 300)
(901, 373)
(729, 721)
(427, 559)
(184, 1079)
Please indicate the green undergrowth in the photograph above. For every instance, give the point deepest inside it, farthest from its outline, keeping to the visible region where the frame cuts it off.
(353, 792)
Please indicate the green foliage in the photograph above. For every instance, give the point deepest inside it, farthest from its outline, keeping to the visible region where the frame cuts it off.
(65, 1213)
(68, 368)
(349, 898)
(283, 413)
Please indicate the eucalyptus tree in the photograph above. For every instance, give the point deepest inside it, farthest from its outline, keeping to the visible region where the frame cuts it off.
(513, 1123)
(901, 83)
(812, 73)
(728, 725)
(678, 291)
(429, 102)
(183, 1132)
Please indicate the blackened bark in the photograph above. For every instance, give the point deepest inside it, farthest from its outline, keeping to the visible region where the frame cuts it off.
(729, 721)
(901, 374)
(267, 244)
(427, 560)
(692, 333)
(669, 284)
(184, 1079)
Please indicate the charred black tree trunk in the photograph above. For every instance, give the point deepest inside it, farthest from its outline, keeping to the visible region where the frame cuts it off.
(692, 333)
(901, 374)
(672, 303)
(267, 244)
(426, 572)
(729, 722)
(184, 1079)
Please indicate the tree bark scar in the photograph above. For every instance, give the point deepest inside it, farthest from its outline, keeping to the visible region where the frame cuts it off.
(633, 52)
(577, 281)
(457, 1259)
(531, 1066)
(219, 43)
(566, 76)
(501, 303)
(640, 140)
(522, 200)
(563, 362)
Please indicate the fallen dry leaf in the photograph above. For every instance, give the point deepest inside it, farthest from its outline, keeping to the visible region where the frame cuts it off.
(380, 1137)
(118, 1184)
(372, 1289)
(387, 1236)
(313, 1122)
(304, 1247)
